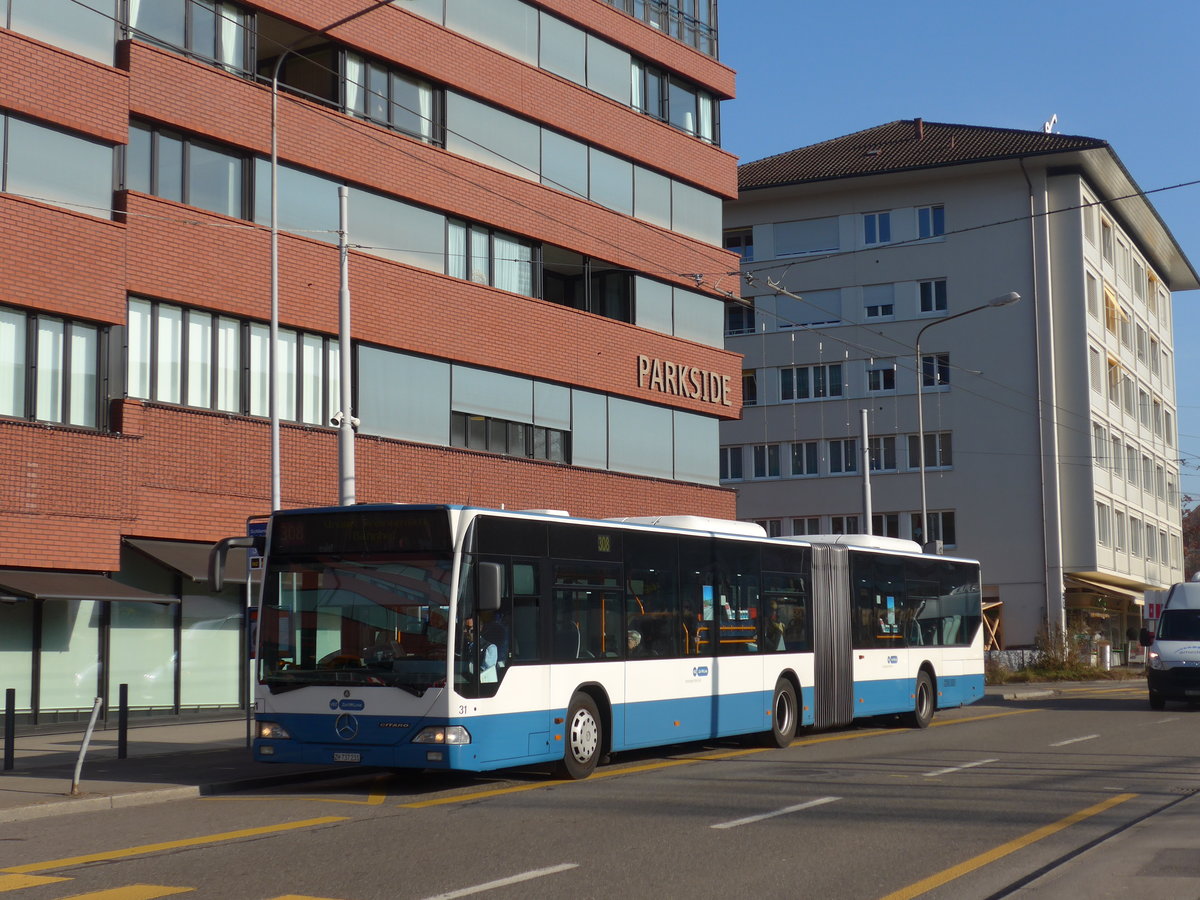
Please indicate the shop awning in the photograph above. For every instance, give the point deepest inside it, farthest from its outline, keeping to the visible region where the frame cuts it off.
(72, 586)
(1100, 587)
(189, 558)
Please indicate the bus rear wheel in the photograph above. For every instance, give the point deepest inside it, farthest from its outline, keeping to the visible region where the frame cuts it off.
(923, 705)
(785, 715)
(584, 738)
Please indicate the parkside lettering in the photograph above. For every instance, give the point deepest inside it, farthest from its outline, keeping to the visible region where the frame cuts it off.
(683, 381)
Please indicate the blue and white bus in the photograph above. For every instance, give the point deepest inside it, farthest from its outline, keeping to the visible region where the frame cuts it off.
(450, 637)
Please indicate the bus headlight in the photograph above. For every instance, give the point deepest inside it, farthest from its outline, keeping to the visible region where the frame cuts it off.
(1155, 659)
(272, 731)
(443, 734)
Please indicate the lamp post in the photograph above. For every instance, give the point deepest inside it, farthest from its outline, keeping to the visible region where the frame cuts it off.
(273, 353)
(1003, 300)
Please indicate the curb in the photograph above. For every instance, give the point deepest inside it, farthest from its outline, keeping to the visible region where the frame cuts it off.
(163, 795)
(1028, 695)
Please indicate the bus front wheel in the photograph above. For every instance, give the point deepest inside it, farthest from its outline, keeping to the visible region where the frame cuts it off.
(923, 704)
(584, 738)
(784, 715)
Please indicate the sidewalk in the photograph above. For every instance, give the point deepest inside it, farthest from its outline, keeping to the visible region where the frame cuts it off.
(165, 762)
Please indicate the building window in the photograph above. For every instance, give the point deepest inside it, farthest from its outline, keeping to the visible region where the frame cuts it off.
(1151, 541)
(1106, 240)
(567, 278)
(731, 463)
(809, 525)
(941, 528)
(766, 460)
(931, 221)
(881, 375)
(1103, 524)
(1089, 218)
(773, 527)
(843, 525)
(933, 295)
(694, 22)
(391, 98)
(214, 32)
(807, 236)
(1092, 293)
(886, 524)
(485, 256)
(1135, 537)
(939, 450)
(176, 167)
(1095, 370)
(804, 458)
(52, 166)
(676, 101)
(741, 242)
(50, 368)
(877, 228)
(1116, 457)
(935, 370)
(508, 438)
(196, 358)
(883, 453)
(749, 388)
(739, 317)
(810, 382)
(879, 300)
(1147, 474)
(1131, 464)
(1099, 443)
(843, 456)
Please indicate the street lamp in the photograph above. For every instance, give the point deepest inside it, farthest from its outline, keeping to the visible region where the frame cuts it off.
(273, 354)
(1003, 300)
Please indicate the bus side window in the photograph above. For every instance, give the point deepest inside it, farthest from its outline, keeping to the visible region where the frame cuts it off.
(526, 615)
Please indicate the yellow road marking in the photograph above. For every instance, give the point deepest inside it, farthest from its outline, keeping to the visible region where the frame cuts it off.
(17, 882)
(133, 892)
(169, 845)
(977, 862)
(374, 798)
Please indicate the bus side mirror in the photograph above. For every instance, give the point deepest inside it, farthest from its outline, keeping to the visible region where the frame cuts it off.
(489, 578)
(1146, 637)
(216, 557)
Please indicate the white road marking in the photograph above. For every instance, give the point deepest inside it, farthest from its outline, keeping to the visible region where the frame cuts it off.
(504, 882)
(982, 762)
(779, 812)
(1086, 737)
(1166, 720)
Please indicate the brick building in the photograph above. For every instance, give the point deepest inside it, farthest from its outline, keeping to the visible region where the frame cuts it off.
(535, 197)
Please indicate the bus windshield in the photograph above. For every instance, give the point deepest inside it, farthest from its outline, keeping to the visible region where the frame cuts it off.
(355, 619)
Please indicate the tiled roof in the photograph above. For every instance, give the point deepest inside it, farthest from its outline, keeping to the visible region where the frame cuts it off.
(903, 145)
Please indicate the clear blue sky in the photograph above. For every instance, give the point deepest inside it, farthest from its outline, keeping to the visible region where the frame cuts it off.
(1125, 73)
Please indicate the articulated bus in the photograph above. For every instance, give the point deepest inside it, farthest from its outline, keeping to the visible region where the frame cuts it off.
(449, 637)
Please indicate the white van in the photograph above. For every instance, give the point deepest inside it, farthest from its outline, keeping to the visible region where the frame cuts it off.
(1173, 657)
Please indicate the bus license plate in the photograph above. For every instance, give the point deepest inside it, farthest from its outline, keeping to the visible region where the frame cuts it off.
(347, 757)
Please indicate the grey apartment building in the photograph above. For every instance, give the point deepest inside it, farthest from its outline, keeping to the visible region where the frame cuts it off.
(1048, 424)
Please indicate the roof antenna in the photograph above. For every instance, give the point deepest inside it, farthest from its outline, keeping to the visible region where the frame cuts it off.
(1048, 127)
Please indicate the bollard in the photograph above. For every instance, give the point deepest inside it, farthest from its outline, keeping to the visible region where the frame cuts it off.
(122, 721)
(10, 726)
(87, 739)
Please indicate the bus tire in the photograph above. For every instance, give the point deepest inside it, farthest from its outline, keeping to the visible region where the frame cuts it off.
(785, 715)
(1157, 700)
(923, 703)
(584, 738)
